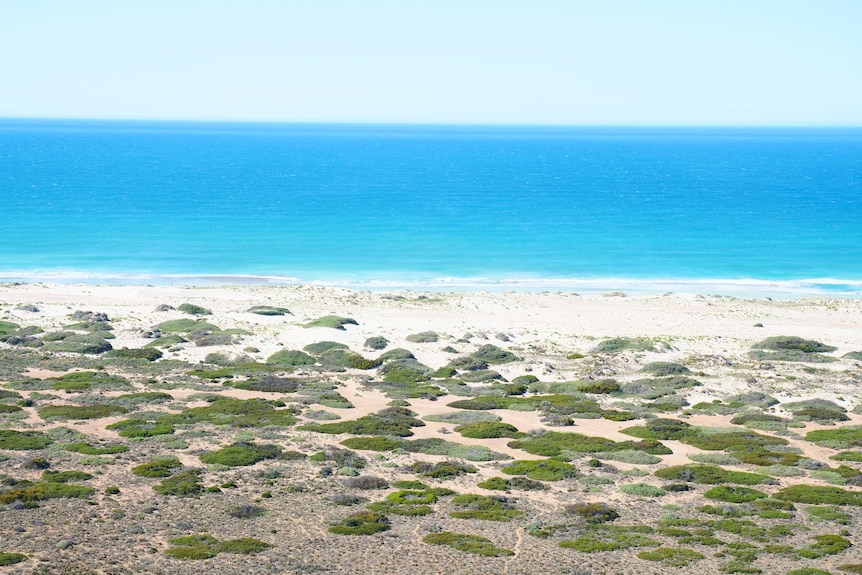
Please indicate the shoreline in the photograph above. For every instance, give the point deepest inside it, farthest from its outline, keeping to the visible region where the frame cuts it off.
(745, 288)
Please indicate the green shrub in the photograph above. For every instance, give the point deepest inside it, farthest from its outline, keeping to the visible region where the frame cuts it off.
(193, 309)
(819, 495)
(27, 491)
(601, 387)
(423, 337)
(290, 357)
(185, 484)
(187, 326)
(594, 513)
(827, 513)
(161, 467)
(642, 490)
(23, 440)
(442, 469)
(475, 506)
(95, 411)
(390, 421)
(808, 571)
(553, 443)
(848, 436)
(84, 380)
(331, 321)
(825, 545)
(633, 456)
(268, 310)
(463, 417)
(87, 449)
(65, 476)
(733, 494)
(90, 344)
(661, 428)
(138, 428)
(10, 558)
(619, 344)
(515, 483)
(672, 557)
(784, 342)
(487, 430)
(166, 341)
(243, 546)
(468, 543)
(7, 327)
(241, 454)
(145, 353)
(236, 413)
(542, 470)
(493, 355)
(709, 474)
(375, 443)
(363, 523)
(599, 538)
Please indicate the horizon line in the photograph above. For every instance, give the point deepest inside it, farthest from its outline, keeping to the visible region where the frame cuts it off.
(392, 123)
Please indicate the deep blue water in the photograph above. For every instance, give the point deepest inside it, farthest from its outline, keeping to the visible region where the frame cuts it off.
(406, 204)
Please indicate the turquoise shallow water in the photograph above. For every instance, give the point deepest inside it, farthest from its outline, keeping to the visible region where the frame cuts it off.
(433, 206)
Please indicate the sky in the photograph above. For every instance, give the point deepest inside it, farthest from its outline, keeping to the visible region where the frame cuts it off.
(560, 62)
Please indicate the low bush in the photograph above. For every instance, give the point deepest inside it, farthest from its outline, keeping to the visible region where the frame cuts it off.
(824, 545)
(144, 353)
(241, 454)
(819, 495)
(185, 484)
(27, 492)
(368, 482)
(268, 310)
(363, 523)
(515, 483)
(463, 417)
(848, 436)
(709, 474)
(10, 558)
(542, 470)
(487, 430)
(65, 476)
(87, 449)
(331, 321)
(619, 344)
(423, 337)
(733, 494)
(291, 357)
(665, 368)
(599, 538)
(376, 343)
(85, 380)
(395, 421)
(642, 490)
(594, 513)
(467, 543)
(820, 513)
(784, 342)
(95, 411)
(473, 506)
(187, 326)
(23, 440)
(163, 466)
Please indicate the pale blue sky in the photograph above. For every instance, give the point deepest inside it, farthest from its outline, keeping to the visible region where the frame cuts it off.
(629, 62)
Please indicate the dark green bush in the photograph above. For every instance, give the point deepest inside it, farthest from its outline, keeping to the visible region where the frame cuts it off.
(65, 476)
(475, 506)
(27, 491)
(90, 344)
(241, 454)
(193, 309)
(542, 470)
(709, 474)
(331, 321)
(363, 523)
(137, 428)
(145, 353)
(423, 337)
(10, 558)
(185, 484)
(850, 436)
(824, 545)
(487, 430)
(187, 326)
(290, 357)
(664, 368)
(162, 467)
(95, 411)
(594, 513)
(23, 440)
(515, 483)
(733, 494)
(602, 387)
(819, 495)
(395, 421)
(618, 344)
(376, 343)
(84, 380)
(268, 310)
(784, 342)
(468, 543)
(493, 355)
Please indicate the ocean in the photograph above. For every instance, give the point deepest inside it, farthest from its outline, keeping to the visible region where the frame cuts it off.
(436, 207)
